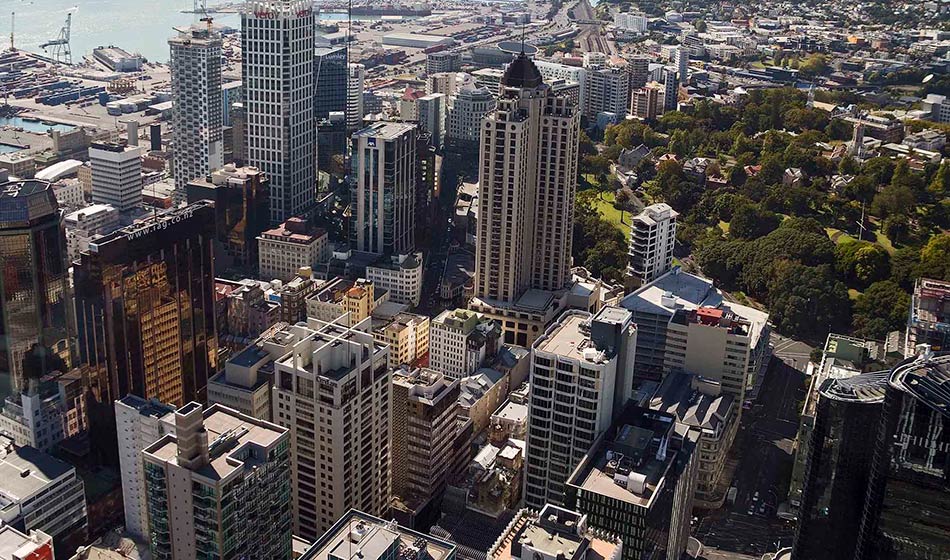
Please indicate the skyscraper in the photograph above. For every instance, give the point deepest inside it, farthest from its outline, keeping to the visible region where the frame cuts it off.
(527, 182)
(907, 510)
(596, 354)
(681, 61)
(465, 117)
(670, 90)
(356, 73)
(330, 75)
(35, 308)
(333, 388)
(116, 175)
(383, 195)
(219, 487)
(145, 312)
(277, 55)
(432, 111)
(197, 114)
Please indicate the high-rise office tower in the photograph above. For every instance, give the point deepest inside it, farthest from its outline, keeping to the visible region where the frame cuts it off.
(355, 75)
(443, 61)
(638, 66)
(219, 487)
(139, 424)
(838, 466)
(907, 510)
(425, 412)
(278, 73)
(652, 237)
(670, 90)
(332, 388)
(681, 61)
(432, 111)
(596, 354)
(241, 213)
(383, 192)
(330, 75)
(527, 182)
(145, 309)
(197, 114)
(116, 175)
(35, 307)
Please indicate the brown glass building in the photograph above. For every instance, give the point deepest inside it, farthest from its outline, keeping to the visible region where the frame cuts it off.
(145, 310)
(35, 315)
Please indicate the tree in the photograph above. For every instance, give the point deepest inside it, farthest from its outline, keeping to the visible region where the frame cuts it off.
(849, 166)
(807, 301)
(751, 222)
(882, 308)
(814, 65)
(935, 258)
(940, 184)
(597, 244)
(904, 265)
(894, 199)
(896, 227)
(871, 263)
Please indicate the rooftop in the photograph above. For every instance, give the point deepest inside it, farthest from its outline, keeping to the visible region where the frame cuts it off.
(25, 471)
(680, 394)
(361, 536)
(147, 407)
(925, 377)
(294, 230)
(385, 130)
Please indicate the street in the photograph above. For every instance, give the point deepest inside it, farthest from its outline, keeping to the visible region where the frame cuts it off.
(763, 448)
(794, 353)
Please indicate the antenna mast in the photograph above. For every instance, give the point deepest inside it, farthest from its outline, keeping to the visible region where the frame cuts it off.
(12, 29)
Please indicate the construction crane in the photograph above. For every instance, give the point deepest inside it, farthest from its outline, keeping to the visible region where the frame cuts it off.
(61, 51)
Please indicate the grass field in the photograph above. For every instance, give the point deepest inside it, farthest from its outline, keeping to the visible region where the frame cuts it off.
(605, 205)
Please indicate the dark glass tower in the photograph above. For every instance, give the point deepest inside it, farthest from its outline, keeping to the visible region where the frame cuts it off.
(838, 466)
(329, 76)
(907, 511)
(35, 312)
(145, 312)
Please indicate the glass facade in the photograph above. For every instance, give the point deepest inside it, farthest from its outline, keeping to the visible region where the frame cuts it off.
(329, 92)
(145, 311)
(35, 312)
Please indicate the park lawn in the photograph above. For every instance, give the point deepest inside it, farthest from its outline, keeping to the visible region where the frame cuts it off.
(853, 294)
(605, 205)
(838, 236)
(724, 226)
(885, 242)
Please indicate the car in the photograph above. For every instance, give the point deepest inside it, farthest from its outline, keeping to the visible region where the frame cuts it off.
(752, 510)
(755, 497)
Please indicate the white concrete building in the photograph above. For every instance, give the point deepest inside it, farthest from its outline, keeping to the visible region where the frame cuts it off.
(432, 111)
(681, 61)
(443, 61)
(139, 424)
(469, 107)
(382, 199)
(635, 22)
(197, 114)
(18, 546)
(277, 44)
(356, 74)
(553, 71)
(44, 417)
(460, 340)
(606, 90)
(83, 225)
(336, 380)
(401, 276)
(587, 361)
(69, 193)
(243, 385)
(652, 237)
(116, 175)
(292, 245)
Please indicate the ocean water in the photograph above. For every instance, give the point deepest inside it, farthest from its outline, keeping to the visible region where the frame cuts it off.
(142, 26)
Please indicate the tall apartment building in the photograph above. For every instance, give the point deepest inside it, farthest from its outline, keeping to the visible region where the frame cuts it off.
(838, 466)
(145, 308)
(330, 74)
(905, 512)
(652, 237)
(637, 482)
(35, 310)
(294, 244)
(929, 320)
(527, 179)
(631, 21)
(681, 62)
(337, 380)
(383, 194)
(606, 90)
(277, 66)
(432, 111)
(469, 107)
(644, 102)
(443, 61)
(197, 114)
(241, 213)
(638, 66)
(355, 75)
(42, 493)
(670, 90)
(581, 374)
(116, 175)
(139, 424)
(460, 341)
(425, 413)
(219, 487)
(553, 71)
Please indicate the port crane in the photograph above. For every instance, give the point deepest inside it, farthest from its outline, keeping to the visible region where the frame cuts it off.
(61, 51)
